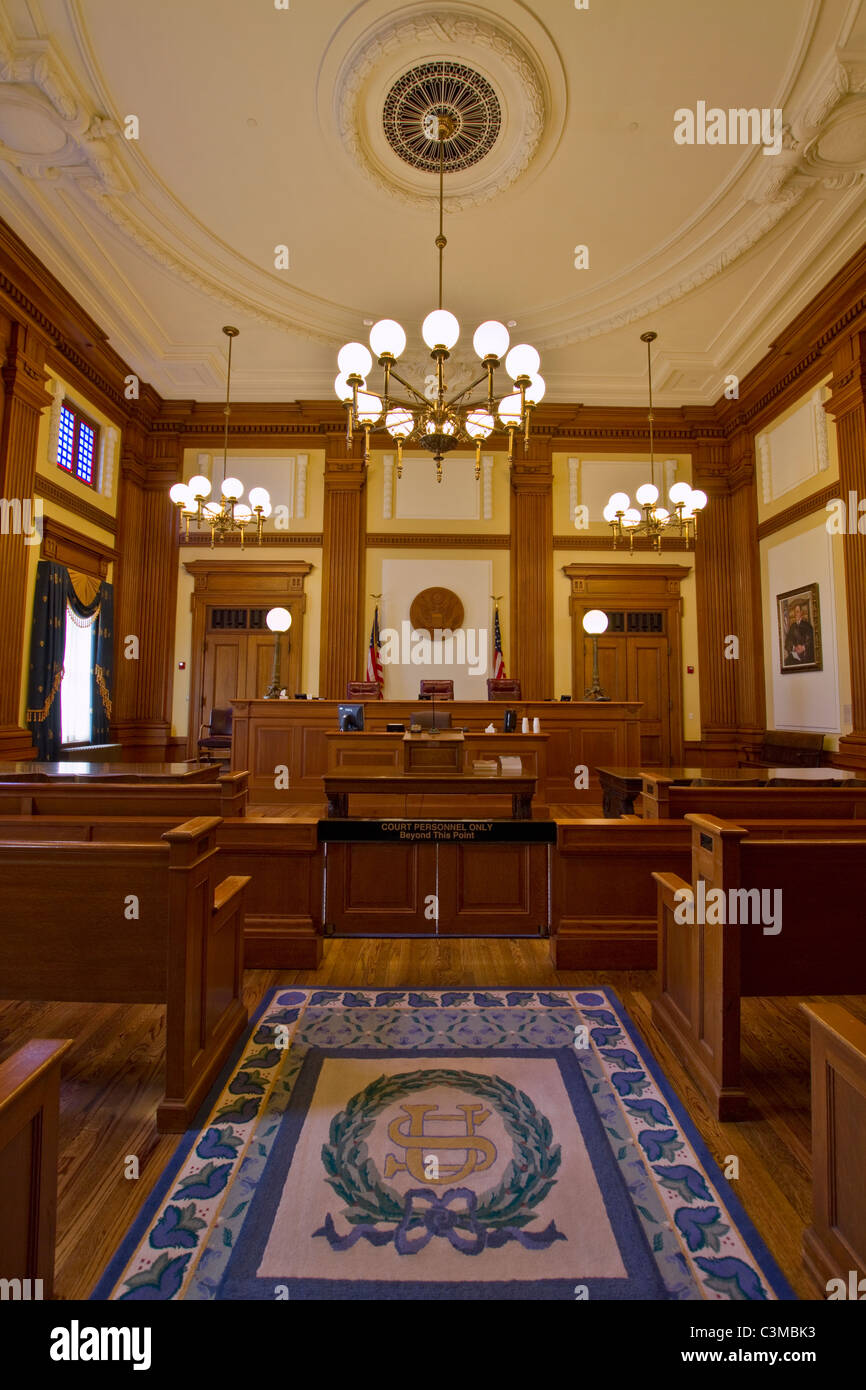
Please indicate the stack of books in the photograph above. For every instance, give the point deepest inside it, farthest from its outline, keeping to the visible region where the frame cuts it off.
(488, 766)
(512, 766)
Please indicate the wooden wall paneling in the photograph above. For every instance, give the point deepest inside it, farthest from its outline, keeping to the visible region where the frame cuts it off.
(29, 1120)
(24, 399)
(343, 567)
(848, 405)
(531, 571)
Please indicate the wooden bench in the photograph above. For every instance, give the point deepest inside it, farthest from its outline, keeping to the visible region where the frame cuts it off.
(180, 801)
(787, 748)
(281, 856)
(29, 1115)
(664, 799)
(604, 908)
(705, 968)
(834, 1245)
(133, 923)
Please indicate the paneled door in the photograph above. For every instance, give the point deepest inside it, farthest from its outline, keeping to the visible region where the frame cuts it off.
(639, 654)
(232, 648)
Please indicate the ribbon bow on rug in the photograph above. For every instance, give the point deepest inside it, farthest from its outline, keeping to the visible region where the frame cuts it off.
(440, 1219)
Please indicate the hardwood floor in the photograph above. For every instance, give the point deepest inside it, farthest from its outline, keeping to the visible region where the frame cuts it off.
(112, 1082)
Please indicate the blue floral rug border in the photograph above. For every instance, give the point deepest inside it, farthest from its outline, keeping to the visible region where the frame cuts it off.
(693, 1227)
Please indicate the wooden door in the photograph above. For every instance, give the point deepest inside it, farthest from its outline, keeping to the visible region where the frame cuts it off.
(225, 670)
(612, 667)
(648, 681)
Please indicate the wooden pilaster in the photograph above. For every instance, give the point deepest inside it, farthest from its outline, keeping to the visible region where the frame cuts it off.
(343, 567)
(715, 599)
(848, 405)
(751, 712)
(531, 660)
(24, 399)
(146, 594)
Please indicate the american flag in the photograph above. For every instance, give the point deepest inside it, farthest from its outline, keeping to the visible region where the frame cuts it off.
(374, 660)
(498, 659)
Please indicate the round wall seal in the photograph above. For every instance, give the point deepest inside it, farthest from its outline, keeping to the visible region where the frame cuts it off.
(436, 608)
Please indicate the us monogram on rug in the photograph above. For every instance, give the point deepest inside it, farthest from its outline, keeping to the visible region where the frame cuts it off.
(441, 1144)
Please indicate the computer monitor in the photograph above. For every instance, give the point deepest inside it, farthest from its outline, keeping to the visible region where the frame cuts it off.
(350, 718)
(426, 718)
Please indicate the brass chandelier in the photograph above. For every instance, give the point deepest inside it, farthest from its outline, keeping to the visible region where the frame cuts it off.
(626, 520)
(228, 517)
(434, 422)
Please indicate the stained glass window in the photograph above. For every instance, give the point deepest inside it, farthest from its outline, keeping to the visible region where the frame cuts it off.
(76, 444)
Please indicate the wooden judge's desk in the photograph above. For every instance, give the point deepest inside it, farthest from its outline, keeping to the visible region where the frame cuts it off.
(268, 735)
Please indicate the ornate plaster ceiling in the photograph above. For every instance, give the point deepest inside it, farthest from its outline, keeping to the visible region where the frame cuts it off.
(260, 128)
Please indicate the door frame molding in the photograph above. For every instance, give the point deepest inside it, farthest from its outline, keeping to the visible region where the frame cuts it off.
(241, 584)
(631, 586)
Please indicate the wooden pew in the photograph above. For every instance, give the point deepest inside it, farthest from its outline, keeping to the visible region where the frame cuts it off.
(29, 1115)
(705, 969)
(133, 923)
(180, 801)
(604, 909)
(835, 1244)
(662, 799)
(282, 858)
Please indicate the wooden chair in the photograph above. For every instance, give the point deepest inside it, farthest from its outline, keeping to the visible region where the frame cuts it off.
(507, 689)
(443, 690)
(362, 690)
(29, 1115)
(219, 736)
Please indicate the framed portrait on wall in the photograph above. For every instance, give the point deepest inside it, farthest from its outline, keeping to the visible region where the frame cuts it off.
(800, 630)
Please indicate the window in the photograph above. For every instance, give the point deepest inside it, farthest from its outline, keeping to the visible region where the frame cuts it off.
(76, 713)
(76, 444)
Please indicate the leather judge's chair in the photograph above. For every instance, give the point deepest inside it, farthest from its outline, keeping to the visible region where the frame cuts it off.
(218, 737)
(443, 690)
(362, 690)
(505, 689)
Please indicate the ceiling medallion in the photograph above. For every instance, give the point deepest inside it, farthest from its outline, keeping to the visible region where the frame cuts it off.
(445, 89)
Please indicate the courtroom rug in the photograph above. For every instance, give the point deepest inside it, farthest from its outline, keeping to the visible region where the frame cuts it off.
(442, 1144)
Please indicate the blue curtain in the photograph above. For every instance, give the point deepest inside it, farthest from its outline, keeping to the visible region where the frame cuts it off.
(54, 592)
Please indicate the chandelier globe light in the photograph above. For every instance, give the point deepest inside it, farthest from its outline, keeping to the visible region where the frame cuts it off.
(648, 518)
(229, 516)
(432, 419)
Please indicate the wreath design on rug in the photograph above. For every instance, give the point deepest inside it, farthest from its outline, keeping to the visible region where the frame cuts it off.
(471, 1223)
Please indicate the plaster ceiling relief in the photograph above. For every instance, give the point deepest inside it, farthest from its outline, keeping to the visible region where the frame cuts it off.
(166, 238)
(529, 100)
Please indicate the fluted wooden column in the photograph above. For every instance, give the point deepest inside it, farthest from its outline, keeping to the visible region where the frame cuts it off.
(751, 705)
(25, 397)
(147, 575)
(848, 405)
(531, 657)
(716, 619)
(343, 568)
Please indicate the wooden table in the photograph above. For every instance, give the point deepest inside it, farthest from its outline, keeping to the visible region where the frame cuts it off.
(620, 785)
(374, 782)
(109, 772)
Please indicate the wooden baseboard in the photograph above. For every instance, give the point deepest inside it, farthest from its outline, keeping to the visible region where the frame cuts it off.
(604, 946)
